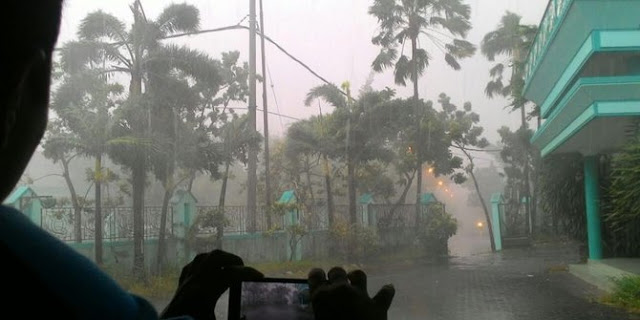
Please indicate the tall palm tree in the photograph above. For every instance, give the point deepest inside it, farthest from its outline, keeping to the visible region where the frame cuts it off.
(351, 127)
(103, 37)
(332, 95)
(443, 23)
(513, 40)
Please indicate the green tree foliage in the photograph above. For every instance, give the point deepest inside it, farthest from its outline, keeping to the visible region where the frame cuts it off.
(465, 133)
(435, 231)
(511, 39)
(82, 102)
(105, 40)
(444, 23)
(622, 210)
(562, 194)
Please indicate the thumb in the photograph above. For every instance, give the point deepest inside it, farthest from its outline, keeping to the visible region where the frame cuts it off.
(384, 297)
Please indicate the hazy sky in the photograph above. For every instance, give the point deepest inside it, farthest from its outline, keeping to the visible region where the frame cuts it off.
(334, 38)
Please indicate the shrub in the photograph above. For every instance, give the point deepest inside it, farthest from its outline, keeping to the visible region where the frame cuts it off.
(435, 231)
(353, 242)
(626, 293)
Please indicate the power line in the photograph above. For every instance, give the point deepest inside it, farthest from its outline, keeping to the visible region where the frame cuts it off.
(476, 150)
(275, 97)
(269, 112)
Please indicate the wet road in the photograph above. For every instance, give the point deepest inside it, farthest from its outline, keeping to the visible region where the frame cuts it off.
(516, 284)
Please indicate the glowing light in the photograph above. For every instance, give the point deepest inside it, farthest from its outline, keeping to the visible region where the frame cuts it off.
(479, 224)
(446, 190)
(440, 183)
(430, 170)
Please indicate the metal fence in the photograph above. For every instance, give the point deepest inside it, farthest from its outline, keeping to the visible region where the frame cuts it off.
(394, 216)
(117, 222)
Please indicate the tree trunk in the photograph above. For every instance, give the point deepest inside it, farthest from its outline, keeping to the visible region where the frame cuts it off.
(310, 186)
(192, 178)
(98, 217)
(403, 196)
(351, 181)
(138, 176)
(162, 243)
(526, 189)
(327, 187)
(138, 171)
(221, 204)
(485, 209)
(418, 114)
(77, 210)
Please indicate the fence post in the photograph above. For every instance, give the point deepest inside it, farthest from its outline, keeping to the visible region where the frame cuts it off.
(365, 200)
(183, 212)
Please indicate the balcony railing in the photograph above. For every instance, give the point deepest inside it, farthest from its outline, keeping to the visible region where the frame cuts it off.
(556, 10)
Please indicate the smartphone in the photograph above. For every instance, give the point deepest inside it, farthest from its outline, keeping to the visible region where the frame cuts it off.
(270, 298)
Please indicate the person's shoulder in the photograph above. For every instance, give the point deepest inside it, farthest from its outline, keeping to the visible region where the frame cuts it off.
(52, 266)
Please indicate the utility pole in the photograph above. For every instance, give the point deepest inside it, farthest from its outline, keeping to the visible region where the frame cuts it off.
(265, 110)
(253, 154)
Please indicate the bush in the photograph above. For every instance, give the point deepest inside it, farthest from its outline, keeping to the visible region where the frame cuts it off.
(626, 293)
(435, 231)
(353, 242)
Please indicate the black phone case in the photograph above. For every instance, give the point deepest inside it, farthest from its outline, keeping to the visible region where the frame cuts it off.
(235, 294)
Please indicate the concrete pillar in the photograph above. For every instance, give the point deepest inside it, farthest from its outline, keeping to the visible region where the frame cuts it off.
(496, 203)
(592, 203)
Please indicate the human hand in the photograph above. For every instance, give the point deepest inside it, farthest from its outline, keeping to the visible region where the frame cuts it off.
(345, 296)
(204, 280)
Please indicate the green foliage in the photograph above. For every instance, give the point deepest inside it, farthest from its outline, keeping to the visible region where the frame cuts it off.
(353, 242)
(435, 231)
(561, 188)
(626, 293)
(402, 22)
(512, 39)
(622, 210)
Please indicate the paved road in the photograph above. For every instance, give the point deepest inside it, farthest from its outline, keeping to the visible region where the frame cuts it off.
(475, 285)
(515, 284)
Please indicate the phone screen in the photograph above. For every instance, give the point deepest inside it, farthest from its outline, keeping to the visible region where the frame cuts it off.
(267, 299)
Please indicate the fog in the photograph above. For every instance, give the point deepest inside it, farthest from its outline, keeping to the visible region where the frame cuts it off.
(333, 37)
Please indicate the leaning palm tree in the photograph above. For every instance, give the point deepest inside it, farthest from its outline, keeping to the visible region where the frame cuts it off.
(512, 40)
(103, 38)
(443, 23)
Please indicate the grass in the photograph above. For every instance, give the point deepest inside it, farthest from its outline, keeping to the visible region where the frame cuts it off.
(626, 294)
(162, 287)
(156, 287)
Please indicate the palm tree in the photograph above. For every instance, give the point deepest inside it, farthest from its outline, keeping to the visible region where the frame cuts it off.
(443, 23)
(236, 139)
(311, 137)
(103, 38)
(82, 103)
(354, 128)
(513, 40)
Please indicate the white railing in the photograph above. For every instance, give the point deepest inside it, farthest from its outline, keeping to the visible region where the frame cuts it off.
(556, 9)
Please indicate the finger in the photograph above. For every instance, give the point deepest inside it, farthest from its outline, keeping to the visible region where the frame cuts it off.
(190, 268)
(384, 297)
(236, 274)
(358, 280)
(337, 275)
(218, 258)
(316, 279)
